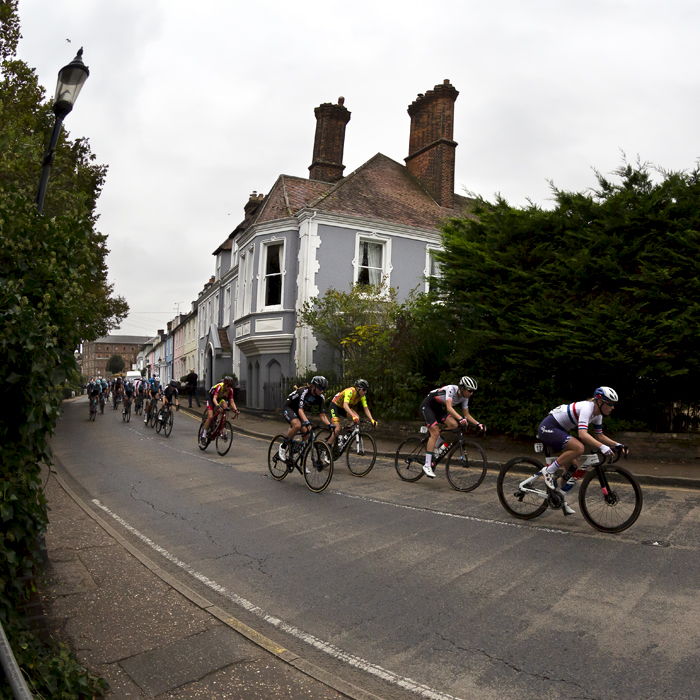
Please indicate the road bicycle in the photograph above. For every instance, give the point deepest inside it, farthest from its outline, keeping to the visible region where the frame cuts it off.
(126, 413)
(102, 403)
(138, 405)
(611, 504)
(93, 407)
(116, 398)
(465, 460)
(151, 413)
(311, 458)
(221, 431)
(359, 447)
(165, 420)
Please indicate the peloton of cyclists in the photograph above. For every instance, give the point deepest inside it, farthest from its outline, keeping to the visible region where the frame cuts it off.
(439, 407)
(220, 397)
(580, 416)
(342, 407)
(298, 403)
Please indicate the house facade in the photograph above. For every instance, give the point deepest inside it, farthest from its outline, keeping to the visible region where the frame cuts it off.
(379, 224)
(96, 353)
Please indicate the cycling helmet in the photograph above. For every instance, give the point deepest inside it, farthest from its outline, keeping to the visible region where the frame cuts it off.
(362, 384)
(606, 393)
(320, 382)
(468, 383)
(228, 380)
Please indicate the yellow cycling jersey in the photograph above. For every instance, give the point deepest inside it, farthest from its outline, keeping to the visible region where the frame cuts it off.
(349, 396)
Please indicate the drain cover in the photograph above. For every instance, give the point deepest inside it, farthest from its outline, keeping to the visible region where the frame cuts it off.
(656, 543)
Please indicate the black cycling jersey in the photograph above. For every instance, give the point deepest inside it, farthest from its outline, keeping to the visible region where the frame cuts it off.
(304, 399)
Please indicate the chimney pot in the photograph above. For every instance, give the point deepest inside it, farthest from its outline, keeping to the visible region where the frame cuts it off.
(341, 101)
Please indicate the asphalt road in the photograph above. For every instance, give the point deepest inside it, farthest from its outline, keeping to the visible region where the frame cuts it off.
(407, 589)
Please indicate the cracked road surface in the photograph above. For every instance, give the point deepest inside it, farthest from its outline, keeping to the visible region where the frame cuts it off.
(431, 585)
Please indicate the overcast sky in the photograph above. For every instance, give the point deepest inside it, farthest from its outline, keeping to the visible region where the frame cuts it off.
(194, 105)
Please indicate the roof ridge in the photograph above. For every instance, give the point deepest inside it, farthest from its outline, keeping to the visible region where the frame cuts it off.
(347, 178)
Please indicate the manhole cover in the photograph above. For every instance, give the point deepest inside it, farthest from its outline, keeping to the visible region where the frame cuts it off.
(656, 543)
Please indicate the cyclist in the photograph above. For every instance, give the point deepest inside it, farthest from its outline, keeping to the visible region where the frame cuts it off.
(220, 397)
(153, 395)
(580, 416)
(439, 407)
(129, 392)
(94, 391)
(170, 395)
(342, 406)
(294, 410)
(105, 393)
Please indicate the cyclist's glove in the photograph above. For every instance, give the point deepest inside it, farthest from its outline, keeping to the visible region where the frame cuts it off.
(622, 450)
(464, 423)
(481, 427)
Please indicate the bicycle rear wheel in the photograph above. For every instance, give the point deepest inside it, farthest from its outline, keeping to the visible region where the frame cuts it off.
(361, 454)
(153, 416)
(159, 421)
(318, 466)
(466, 466)
(168, 424)
(205, 444)
(409, 459)
(615, 510)
(518, 502)
(277, 465)
(224, 438)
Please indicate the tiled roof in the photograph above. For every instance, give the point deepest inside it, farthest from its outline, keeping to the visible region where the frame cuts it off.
(380, 189)
(223, 339)
(226, 245)
(123, 339)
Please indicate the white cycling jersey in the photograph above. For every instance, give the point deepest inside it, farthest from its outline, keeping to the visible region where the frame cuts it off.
(577, 416)
(451, 392)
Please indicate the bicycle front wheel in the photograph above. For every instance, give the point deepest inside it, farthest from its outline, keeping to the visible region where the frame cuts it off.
(514, 479)
(277, 465)
(410, 458)
(614, 508)
(159, 422)
(224, 439)
(466, 466)
(168, 424)
(361, 454)
(202, 446)
(318, 466)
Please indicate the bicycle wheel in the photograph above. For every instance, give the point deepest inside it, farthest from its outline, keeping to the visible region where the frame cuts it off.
(127, 411)
(361, 454)
(615, 510)
(93, 412)
(224, 439)
(168, 424)
(159, 420)
(202, 445)
(519, 503)
(277, 466)
(153, 416)
(410, 458)
(466, 466)
(318, 466)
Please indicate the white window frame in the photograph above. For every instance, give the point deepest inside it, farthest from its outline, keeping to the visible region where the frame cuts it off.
(385, 242)
(429, 250)
(227, 305)
(262, 273)
(245, 282)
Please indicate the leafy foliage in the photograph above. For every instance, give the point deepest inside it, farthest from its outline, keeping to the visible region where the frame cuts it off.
(53, 295)
(115, 364)
(603, 289)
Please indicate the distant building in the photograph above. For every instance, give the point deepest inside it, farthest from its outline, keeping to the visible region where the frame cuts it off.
(96, 353)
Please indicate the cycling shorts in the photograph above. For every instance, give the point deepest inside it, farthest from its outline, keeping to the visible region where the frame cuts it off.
(337, 412)
(433, 411)
(552, 434)
(290, 414)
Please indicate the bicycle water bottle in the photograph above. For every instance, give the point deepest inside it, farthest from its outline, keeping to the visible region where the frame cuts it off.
(572, 477)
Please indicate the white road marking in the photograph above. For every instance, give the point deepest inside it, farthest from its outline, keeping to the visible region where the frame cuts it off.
(453, 515)
(319, 644)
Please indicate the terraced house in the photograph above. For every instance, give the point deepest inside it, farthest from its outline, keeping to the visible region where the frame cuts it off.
(380, 222)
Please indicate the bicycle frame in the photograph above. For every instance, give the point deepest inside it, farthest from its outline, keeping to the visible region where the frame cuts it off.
(351, 431)
(595, 460)
(463, 434)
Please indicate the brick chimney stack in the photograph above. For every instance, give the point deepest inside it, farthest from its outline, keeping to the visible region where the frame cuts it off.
(327, 165)
(431, 150)
(252, 204)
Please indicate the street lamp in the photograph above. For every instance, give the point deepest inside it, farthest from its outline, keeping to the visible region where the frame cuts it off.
(71, 79)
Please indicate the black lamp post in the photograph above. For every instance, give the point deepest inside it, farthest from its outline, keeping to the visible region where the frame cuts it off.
(71, 79)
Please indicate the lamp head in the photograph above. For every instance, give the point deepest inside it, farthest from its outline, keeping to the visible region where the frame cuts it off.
(71, 79)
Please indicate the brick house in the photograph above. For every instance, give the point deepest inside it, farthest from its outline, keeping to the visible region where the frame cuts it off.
(381, 221)
(97, 353)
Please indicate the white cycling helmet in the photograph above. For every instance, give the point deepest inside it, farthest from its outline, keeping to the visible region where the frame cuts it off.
(468, 383)
(606, 393)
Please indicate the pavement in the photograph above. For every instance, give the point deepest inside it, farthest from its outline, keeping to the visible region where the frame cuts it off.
(129, 621)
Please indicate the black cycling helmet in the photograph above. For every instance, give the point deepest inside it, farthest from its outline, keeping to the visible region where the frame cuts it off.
(228, 380)
(320, 382)
(362, 384)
